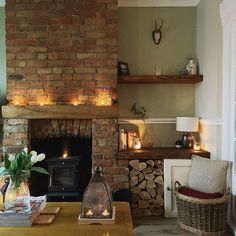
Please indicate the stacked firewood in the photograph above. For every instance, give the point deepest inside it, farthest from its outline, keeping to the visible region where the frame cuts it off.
(146, 184)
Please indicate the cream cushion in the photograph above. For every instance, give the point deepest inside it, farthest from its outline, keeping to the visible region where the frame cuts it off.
(207, 175)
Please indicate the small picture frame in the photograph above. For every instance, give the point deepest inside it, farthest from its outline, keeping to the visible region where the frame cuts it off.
(123, 68)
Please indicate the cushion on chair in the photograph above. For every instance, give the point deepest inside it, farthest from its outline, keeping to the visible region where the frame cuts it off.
(207, 175)
(194, 193)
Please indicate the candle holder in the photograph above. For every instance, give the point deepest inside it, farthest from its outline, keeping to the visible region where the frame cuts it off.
(96, 206)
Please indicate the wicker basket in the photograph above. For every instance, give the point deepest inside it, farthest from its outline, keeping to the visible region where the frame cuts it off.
(202, 216)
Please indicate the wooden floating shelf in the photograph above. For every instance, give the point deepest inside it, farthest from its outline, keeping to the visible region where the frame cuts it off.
(160, 153)
(59, 112)
(161, 79)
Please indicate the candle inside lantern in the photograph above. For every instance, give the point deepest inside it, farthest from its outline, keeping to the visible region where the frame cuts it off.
(89, 213)
(105, 213)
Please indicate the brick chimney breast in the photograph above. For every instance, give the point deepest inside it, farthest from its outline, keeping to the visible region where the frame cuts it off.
(61, 52)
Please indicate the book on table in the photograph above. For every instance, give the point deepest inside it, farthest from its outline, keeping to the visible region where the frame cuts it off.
(15, 216)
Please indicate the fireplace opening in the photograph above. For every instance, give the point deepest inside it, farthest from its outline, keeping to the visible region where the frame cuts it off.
(68, 161)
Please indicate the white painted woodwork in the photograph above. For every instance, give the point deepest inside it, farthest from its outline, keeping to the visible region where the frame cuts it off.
(228, 17)
(174, 169)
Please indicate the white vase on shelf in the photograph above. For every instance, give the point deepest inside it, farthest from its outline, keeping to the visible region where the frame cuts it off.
(191, 67)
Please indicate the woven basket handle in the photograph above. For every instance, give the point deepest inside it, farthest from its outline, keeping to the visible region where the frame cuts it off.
(177, 185)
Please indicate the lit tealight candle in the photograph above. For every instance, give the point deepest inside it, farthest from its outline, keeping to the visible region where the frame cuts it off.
(136, 143)
(65, 154)
(197, 146)
(89, 213)
(105, 213)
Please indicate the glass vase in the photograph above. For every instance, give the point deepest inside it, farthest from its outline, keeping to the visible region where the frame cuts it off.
(18, 197)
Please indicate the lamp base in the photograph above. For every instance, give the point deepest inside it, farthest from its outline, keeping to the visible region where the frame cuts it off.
(187, 140)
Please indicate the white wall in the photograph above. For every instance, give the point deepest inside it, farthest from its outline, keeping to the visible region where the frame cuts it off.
(209, 92)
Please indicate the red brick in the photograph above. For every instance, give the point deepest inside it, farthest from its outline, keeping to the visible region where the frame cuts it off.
(44, 70)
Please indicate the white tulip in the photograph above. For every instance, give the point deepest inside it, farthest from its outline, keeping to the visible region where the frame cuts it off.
(11, 157)
(25, 150)
(33, 153)
(34, 158)
(41, 156)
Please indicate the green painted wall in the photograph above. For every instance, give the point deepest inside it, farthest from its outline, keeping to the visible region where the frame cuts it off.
(2, 56)
(135, 46)
(135, 26)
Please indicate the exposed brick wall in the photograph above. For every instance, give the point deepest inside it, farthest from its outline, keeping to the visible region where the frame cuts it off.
(60, 128)
(61, 51)
(16, 135)
(104, 149)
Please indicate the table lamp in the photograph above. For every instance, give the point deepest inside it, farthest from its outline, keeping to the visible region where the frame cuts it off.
(187, 125)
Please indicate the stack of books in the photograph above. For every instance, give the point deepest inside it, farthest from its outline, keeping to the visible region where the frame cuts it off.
(16, 216)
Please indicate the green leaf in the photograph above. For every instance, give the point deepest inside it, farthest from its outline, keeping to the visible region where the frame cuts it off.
(7, 163)
(39, 169)
(19, 162)
(26, 173)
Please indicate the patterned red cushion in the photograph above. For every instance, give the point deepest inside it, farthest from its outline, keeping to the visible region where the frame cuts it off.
(194, 193)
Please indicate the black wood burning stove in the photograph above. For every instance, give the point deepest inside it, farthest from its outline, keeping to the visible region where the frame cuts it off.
(69, 163)
(63, 178)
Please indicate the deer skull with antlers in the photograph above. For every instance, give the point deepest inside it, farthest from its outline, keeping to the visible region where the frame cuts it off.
(156, 33)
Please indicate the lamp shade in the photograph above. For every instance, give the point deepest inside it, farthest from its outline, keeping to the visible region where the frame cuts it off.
(187, 124)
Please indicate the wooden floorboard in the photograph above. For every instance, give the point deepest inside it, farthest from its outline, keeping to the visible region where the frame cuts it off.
(159, 226)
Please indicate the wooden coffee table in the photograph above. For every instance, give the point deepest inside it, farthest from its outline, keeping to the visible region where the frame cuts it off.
(66, 224)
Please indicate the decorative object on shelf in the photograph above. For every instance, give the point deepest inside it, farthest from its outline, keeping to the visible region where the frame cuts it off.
(191, 67)
(197, 146)
(146, 138)
(97, 201)
(122, 139)
(103, 99)
(156, 33)
(123, 68)
(178, 144)
(139, 111)
(136, 143)
(131, 135)
(18, 167)
(187, 125)
(158, 71)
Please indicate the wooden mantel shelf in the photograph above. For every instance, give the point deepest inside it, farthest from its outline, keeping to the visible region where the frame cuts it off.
(160, 153)
(161, 79)
(59, 112)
